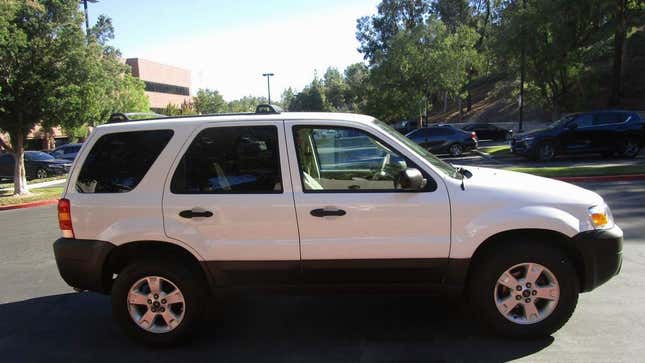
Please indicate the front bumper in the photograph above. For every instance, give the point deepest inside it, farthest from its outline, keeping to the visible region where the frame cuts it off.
(80, 262)
(521, 147)
(602, 254)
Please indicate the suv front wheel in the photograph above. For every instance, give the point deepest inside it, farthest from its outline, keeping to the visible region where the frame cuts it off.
(530, 290)
(157, 302)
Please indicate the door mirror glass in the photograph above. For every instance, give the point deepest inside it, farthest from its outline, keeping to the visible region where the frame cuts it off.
(412, 179)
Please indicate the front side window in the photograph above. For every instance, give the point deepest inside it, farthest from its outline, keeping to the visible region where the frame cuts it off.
(584, 120)
(341, 159)
(230, 160)
(119, 161)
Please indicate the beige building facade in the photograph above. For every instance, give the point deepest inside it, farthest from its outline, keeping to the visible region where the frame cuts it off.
(164, 83)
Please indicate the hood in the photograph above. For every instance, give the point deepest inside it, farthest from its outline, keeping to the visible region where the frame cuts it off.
(527, 188)
(537, 132)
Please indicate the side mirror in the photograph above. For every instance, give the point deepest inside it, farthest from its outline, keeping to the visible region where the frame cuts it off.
(572, 126)
(412, 179)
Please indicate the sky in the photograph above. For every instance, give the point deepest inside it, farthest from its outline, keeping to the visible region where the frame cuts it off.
(227, 45)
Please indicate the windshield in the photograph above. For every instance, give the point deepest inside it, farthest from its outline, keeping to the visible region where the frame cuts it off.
(444, 167)
(37, 155)
(561, 122)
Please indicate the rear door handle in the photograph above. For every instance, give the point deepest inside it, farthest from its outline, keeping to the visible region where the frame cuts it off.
(192, 214)
(320, 212)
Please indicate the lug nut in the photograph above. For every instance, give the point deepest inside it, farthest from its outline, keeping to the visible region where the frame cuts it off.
(527, 300)
(518, 297)
(162, 310)
(149, 301)
(518, 288)
(534, 292)
(163, 301)
(154, 310)
(528, 285)
(156, 296)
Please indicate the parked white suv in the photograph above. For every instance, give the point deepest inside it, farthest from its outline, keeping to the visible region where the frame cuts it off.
(162, 214)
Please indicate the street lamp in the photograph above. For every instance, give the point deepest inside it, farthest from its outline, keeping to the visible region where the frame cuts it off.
(268, 76)
(87, 18)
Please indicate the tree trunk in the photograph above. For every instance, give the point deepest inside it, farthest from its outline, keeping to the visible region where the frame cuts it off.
(445, 101)
(19, 175)
(619, 41)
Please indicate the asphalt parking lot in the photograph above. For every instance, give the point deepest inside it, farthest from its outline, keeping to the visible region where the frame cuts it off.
(42, 319)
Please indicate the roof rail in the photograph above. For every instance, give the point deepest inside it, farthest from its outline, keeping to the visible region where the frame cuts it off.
(262, 109)
(268, 108)
(132, 116)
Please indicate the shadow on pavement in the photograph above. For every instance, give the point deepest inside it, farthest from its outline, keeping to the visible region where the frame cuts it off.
(267, 328)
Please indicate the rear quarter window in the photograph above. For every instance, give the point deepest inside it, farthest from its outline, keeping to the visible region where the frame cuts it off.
(119, 161)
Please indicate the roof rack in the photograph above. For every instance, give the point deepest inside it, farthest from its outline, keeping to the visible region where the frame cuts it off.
(133, 116)
(262, 109)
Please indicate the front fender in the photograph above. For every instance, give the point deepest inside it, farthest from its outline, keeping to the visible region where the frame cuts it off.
(467, 235)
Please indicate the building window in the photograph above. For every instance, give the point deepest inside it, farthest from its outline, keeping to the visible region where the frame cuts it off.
(166, 88)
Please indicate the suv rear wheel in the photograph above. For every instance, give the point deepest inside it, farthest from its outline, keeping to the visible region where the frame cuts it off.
(531, 290)
(157, 302)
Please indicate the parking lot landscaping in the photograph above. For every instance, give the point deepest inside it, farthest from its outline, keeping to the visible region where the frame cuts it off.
(47, 193)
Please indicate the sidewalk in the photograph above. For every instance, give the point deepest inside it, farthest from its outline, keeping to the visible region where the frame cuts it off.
(39, 185)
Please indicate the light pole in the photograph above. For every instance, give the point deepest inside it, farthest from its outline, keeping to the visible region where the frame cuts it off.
(268, 76)
(87, 18)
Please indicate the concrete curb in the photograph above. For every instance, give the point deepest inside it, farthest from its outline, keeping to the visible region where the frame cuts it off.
(602, 178)
(39, 203)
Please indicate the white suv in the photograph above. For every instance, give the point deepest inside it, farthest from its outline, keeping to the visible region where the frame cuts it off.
(164, 213)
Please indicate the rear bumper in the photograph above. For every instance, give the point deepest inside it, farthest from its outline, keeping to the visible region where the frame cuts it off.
(80, 262)
(602, 252)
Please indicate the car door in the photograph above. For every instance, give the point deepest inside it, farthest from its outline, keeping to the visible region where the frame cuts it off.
(6, 166)
(356, 225)
(229, 196)
(577, 135)
(608, 130)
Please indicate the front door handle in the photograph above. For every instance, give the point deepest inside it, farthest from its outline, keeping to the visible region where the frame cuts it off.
(320, 212)
(191, 214)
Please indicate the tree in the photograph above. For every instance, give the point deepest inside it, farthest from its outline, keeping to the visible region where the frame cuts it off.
(287, 98)
(375, 32)
(334, 89)
(356, 78)
(209, 101)
(246, 104)
(312, 98)
(41, 47)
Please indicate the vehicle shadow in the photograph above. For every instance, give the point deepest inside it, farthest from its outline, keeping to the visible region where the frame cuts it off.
(264, 328)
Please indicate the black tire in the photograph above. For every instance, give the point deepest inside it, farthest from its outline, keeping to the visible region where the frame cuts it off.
(630, 148)
(456, 150)
(41, 174)
(489, 268)
(189, 283)
(545, 152)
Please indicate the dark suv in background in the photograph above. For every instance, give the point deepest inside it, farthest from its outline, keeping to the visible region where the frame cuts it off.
(604, 132)
(489, 131)
(444, 139)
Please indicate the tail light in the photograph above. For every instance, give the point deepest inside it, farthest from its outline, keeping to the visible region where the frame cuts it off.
(473, 135)
(65, 218)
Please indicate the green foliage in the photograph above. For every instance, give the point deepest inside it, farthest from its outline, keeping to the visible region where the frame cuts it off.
(51, 74)
(245, 104)
(209, 101)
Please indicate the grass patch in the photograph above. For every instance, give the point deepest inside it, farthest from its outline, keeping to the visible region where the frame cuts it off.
(7, 198)
(51, 178)
(501, 150)
(563, 171)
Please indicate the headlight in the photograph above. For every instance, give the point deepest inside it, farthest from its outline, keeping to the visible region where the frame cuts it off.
(600, 217)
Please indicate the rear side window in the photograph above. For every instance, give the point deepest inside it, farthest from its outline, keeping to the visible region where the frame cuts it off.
(119, 161)
(608, 118)
(440, 131)
(230, 160)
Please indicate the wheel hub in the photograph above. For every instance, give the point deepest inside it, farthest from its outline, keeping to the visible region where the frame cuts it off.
(156, 304)
(526, 293)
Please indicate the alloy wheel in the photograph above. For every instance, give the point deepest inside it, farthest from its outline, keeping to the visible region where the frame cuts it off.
(455, 150)
(526, 293)
(156, 304)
